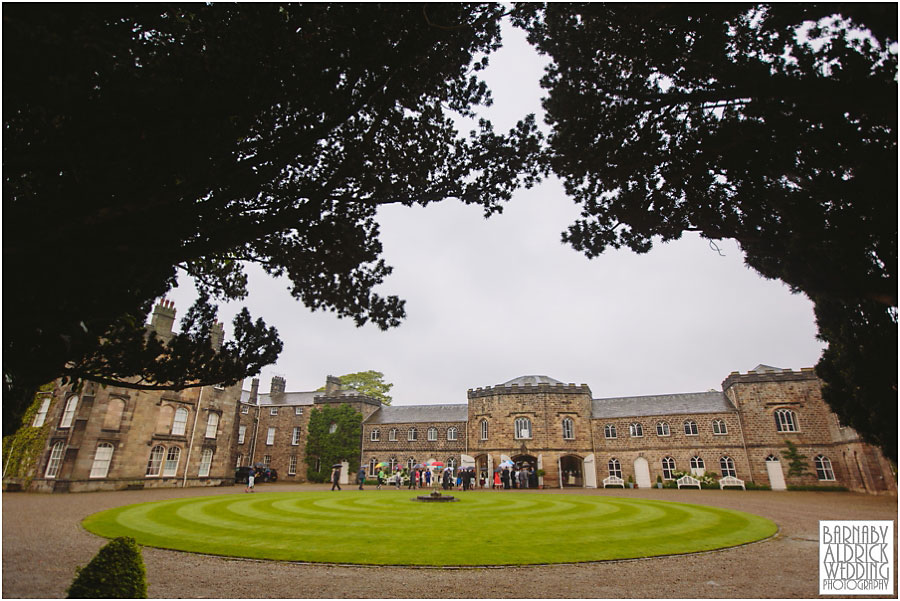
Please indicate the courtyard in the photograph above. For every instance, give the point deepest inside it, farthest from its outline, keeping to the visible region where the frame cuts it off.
(43, 543)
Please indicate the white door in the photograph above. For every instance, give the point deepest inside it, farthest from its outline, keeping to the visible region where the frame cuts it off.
(466, 461)
(590, 472)
(641, 473)
(540, 466)
(776, 475)
(345, 475)
(490, 477)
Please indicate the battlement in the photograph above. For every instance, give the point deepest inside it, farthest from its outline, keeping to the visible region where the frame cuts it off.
(769, 375)
(545, 388)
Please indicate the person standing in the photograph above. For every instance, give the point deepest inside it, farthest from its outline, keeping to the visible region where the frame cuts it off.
(380, 477)
(251, 479)
(361, 476)
(427, 478)
(504, 477)
(523, 478)
(496, 485)
(335, 478)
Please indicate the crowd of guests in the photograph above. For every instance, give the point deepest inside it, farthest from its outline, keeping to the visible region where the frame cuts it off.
(466, 478)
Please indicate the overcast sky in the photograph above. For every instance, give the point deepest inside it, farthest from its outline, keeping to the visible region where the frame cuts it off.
(491, 300)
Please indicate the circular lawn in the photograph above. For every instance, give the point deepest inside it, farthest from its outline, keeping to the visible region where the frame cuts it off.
(385, 527)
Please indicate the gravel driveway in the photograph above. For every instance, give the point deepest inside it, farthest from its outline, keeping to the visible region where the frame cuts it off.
(43, 542)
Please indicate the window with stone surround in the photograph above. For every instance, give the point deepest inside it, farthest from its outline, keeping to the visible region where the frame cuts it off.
(56, 455)
(451, 463)
(270, 436)
(212, 425)
(295, 436)
(523, 427)
(375, 435)
(568, 429)
(113, 418)
(785, 420)
(206, 458)
(170, 467)
(102, 458)
(636, 430)
(238, 462)
(292, 466)
(824, 470)
(452, 433)
(69, 412)
(154, 465)
(412, 435)
(245, 409)
(726, 463)
(298, 410)
(609, 431)
(242, 432)
(698, 467)
(614, 467)
(690, 428)
(484, 429)
(668, 468)
(718, 427)
(432, 434)
(273, 411)
(267, 461)
(392, 435)
(662, 429)
(179, 422)
(410, 463)
(373, 466)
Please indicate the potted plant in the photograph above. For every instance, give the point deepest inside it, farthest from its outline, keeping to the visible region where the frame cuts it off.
(659, 481)
(540, 475)
(630, 481)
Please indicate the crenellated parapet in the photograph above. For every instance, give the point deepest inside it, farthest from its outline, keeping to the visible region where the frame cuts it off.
(540, 388)
(769, 375)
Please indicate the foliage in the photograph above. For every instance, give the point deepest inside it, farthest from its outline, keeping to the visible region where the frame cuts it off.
(797, 464)
(22, 450)
(755, 486)
(146, 140)
(116, 572)
(331, 448)
(370, 383)
(817, 487)
(770, 124)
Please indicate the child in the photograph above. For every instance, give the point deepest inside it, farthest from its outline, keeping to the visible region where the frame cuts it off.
(250, 480)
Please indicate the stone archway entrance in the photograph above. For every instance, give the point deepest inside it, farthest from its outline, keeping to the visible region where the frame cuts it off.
(641, 473)
(529, 461)
(571, 471)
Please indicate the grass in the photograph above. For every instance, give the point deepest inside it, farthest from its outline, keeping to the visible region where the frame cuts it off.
(387, 528)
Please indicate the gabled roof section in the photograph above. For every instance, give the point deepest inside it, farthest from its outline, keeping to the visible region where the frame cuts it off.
(764, 368)
(531, 380)
(664, 404)
(412, 414)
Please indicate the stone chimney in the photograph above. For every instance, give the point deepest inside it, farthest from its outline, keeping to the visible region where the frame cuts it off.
(332, 385)
(218, 335)
(254, 391)
(278, 385)
(163, 318)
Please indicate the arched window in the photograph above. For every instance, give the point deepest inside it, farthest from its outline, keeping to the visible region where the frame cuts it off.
(523, 427)
(69, 412)
(410, 463)
(332, 428)
(432, 434)
(393, 463)
(392, 435)
(719, 427)
(179, 423)
(690, 427)
(727, 465)
(113, 416)
(668, 468)
(156, 458)
(373, 466)
(568, 429)
(697, 466)
(615, 468)
(41, 416)
(785, 420)
(206, 458)
(170, 467)
(662, 429)
(452, 433)
(412, 434)
(212, 425)
(56, 455)
(823, 468)
(102, 457)
(164, 421)
(375, 435)
(635, 430)
(451, 463)
(238, 462)
(609, 431)
(484, 429)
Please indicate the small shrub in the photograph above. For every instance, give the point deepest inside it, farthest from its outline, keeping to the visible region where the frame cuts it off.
(116, 572)
(755, 486)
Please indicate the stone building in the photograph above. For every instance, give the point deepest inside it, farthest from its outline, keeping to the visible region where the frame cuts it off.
(110, 437)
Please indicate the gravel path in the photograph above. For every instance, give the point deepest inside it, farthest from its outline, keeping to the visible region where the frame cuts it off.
(43, 542)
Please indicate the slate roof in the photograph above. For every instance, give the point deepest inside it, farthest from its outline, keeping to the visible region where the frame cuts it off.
(291, 398)
(534, 380)
(402, 414)
(663, 404)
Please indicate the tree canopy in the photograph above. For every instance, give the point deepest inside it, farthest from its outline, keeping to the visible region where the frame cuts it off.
(146, 140)
(370, 383)
(325, 448)
(770, 124)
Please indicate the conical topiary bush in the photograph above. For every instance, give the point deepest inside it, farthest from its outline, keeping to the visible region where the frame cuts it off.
(116, 572)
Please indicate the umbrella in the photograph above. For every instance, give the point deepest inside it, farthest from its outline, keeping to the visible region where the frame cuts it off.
(419, 466)
(337, 465)
(382, 464)
(436, 464)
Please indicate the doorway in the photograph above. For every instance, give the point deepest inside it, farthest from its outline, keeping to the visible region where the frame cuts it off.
(641, 473)
(571, 472)
(776, 474)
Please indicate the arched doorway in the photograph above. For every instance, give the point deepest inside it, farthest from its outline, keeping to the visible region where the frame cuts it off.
(529, 461)
(775, 473)
(641, 473)
(483, 466)
(571, 471)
